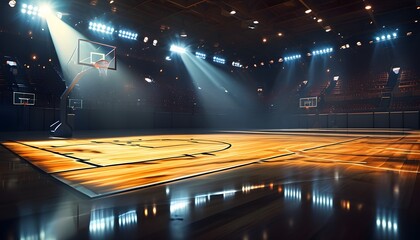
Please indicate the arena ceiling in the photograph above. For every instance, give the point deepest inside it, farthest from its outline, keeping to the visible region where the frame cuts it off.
(209, 24)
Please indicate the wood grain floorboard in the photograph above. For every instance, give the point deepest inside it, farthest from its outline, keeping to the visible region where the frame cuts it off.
(98, 167)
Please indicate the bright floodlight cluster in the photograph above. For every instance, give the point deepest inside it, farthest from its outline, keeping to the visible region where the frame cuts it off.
(127, 35)
(200, 55)
(294, 57)
(219, 60)
(387, 37)
(32, 10)
(98, 27)
(322, 51)
(177, 49)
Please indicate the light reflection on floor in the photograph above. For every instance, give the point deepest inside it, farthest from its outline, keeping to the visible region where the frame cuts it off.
(289, 197)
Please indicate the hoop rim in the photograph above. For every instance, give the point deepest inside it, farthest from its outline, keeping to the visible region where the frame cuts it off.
(101, 64)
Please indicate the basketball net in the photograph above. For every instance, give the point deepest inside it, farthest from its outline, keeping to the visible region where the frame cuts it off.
(102, 66)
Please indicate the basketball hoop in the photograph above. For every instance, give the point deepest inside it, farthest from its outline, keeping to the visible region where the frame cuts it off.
(102, 66)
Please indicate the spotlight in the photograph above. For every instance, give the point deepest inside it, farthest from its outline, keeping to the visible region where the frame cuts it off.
(145, 39)
(12, 3)
(233, 12)
(155, 42)
(308, 11)
(368, 7)
(177, 49)
(44, 10)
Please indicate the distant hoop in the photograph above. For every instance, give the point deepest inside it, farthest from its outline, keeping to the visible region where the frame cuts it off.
(102, 66)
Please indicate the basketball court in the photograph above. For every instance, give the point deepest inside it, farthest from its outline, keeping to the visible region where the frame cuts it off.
(104, 166)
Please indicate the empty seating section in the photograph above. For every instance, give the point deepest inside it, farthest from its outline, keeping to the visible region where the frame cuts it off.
(409, 84)
(380, 91)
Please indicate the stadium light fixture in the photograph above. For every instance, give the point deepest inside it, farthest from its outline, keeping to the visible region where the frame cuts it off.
(291, 58)
(200, 55)
(44, 10)
(183, 34)
(219, 60)
(177, 49)
(127, 34)
(237, 64)
(29, 10)
(387, 37)
(40, 11)
(322, 51)
(102, 28)
(12, 3)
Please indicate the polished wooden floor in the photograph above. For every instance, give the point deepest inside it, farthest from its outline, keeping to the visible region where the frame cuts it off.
(212, 185)
(103, 166)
